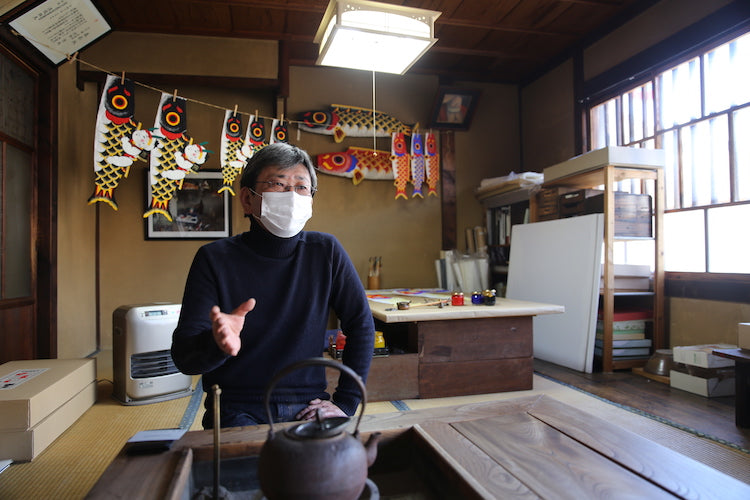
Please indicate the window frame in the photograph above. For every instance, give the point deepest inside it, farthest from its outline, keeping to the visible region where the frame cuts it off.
(639, 71)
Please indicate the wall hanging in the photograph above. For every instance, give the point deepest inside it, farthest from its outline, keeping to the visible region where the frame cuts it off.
(233, 156)
(357, 164)
(174, 156)
(118, 141)
(417, 164)
(341, 121)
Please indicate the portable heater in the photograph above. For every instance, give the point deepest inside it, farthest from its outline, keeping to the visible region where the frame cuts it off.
(142, 364)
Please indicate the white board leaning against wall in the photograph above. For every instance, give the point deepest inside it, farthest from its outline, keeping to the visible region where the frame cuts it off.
(559, 262)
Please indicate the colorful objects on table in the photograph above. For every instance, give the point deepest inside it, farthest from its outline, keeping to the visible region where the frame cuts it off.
(174, 156)
(340, 120)
(118, 141)
(357, 163)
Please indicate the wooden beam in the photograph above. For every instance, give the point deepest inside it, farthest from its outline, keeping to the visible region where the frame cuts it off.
(448, 188)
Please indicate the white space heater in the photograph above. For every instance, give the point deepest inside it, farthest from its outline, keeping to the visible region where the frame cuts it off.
(142, 364)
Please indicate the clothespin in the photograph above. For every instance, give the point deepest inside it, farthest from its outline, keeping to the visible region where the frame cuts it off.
(235, 110)
(174, 96)
(122, 78)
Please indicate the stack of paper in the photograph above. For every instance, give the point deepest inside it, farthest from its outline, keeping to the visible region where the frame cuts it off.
(630, 277)
(628, 334)
(462, 273)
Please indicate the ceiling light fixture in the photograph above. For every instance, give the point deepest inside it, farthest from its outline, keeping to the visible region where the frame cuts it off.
(374, 36)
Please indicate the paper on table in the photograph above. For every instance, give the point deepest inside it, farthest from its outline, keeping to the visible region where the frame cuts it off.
(157, 435)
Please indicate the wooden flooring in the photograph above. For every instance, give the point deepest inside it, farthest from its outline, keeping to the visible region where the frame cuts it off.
(712, 416)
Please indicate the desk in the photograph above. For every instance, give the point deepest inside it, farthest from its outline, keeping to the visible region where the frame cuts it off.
(462, 350)
(741, 359)
(532, 447)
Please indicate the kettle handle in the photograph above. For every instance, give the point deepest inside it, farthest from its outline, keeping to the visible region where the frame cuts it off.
(310, 362)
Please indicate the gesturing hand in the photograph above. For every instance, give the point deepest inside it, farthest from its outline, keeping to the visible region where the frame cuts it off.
(227, 327)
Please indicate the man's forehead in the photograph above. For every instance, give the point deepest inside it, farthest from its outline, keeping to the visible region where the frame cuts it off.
(299, 172)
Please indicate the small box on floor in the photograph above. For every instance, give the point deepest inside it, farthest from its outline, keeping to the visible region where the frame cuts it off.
(702, 355)
(718, 382)
(743, 335)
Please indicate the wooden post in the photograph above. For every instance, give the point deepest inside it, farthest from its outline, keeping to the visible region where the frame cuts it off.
(448, 188)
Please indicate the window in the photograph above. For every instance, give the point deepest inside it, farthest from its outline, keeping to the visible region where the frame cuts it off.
(16, 177)
(698, 111)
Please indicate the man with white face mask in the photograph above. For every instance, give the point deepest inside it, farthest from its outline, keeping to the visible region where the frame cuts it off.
(256, 302)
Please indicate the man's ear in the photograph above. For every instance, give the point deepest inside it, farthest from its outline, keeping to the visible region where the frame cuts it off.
(246, 200)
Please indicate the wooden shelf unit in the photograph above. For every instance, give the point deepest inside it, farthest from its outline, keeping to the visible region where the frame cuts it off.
(608, 176)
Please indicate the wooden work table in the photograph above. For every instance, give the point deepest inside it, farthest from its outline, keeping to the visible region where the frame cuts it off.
(532, 447)
(456, 350)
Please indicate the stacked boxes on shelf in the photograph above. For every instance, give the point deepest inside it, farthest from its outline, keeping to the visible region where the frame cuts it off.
(630, 277)
(628, 335)
(699, 371)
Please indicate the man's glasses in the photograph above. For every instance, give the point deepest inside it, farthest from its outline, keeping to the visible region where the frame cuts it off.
(277, 186)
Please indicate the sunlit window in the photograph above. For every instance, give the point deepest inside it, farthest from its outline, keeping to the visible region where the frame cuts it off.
(698, 112)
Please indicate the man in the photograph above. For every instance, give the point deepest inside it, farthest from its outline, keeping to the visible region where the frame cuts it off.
(256, 302)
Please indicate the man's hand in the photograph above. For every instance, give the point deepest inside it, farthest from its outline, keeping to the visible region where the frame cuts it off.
(328, 410)
(227, 327)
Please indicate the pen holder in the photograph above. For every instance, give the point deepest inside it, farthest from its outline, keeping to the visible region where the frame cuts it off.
(373, 282)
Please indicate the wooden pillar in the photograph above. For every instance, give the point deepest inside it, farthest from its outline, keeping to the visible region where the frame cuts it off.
(448, 188)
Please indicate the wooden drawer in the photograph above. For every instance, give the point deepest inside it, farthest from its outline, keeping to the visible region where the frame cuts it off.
(574, 203)
(548, 204)
(437, 380)
(390, 378)
(474, 339)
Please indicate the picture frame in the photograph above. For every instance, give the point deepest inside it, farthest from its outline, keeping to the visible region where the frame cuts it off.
(198, 210)
(60, 27)
(454, 108)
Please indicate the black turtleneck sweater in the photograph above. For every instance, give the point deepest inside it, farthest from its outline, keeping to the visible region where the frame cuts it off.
(296, 282)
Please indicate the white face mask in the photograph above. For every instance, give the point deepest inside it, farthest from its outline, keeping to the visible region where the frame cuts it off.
(285, 213)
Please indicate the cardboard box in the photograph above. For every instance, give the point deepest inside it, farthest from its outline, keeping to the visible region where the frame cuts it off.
(743, 335)
(708, 387)
(26, 445)
(33, 389)
(701, 355)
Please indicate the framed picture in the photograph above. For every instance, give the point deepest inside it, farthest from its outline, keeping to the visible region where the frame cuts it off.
(454, 107)
(198, 210)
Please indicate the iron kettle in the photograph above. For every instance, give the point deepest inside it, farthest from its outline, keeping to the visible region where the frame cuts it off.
(317, 459)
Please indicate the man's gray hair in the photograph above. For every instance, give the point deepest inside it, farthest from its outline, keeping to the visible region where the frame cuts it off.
(281, 155)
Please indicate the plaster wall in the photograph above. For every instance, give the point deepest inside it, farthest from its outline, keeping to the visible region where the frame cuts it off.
(694, 321)
(76, 242)
(547, 119)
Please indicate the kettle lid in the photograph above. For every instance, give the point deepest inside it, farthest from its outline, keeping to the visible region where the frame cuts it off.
(318, 428)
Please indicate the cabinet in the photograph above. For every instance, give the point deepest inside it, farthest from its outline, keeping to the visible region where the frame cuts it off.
(607, 176)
